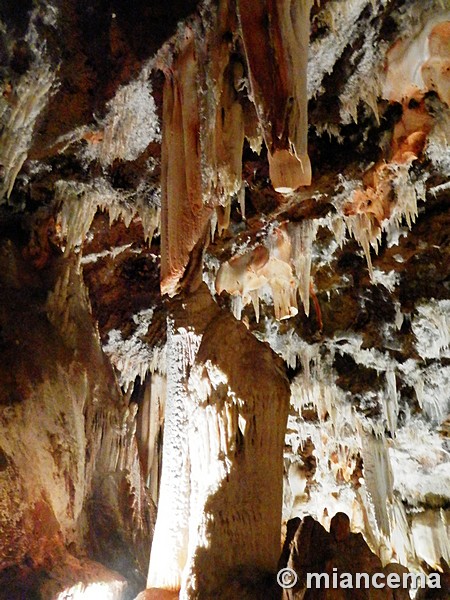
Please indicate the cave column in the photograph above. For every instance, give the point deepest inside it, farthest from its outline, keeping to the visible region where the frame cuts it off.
(169, 548)
(219, 516)
(219, 508)
(237, 423)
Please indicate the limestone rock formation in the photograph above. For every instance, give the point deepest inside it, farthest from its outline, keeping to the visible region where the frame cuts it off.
(224, 296)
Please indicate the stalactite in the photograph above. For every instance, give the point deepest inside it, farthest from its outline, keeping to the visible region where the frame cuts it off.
(246, 275)
(382, 206)
(223, 214)
(63, 305)
(79, 203)
(150, 420)
(132, 357)
(431, 327)
(401, 537)
(184, 214)
(129, 126)
(222, 123)
(27, 102)
(203, 137)
(276, 36)
(333, 435)
(240, 276)
(378, 478)
(284, 265)
(390, 401)
(430, 532)
(302, 236)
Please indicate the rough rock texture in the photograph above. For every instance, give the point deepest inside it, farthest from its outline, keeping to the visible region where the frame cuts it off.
(143, 150)
(220, 430)
(70, 470)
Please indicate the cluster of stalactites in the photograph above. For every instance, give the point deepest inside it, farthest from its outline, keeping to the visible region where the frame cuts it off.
(283, 265)
(18, 122)
(380, 505)
(414, 67)
(204, 121)
(203, 138)
(80, 202)
(381, 205)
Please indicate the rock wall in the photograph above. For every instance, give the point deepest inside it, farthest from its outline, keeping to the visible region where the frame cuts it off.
(71, 485)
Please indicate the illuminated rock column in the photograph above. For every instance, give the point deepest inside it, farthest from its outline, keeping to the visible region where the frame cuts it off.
(221, 492)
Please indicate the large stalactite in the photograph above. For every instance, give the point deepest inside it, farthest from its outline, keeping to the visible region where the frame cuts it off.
(184, 215)
(276, 36)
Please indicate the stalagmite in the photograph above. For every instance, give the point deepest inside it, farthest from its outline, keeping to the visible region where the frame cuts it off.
(250, 420)
(276, 37)
(171, 537)
(94, 583)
